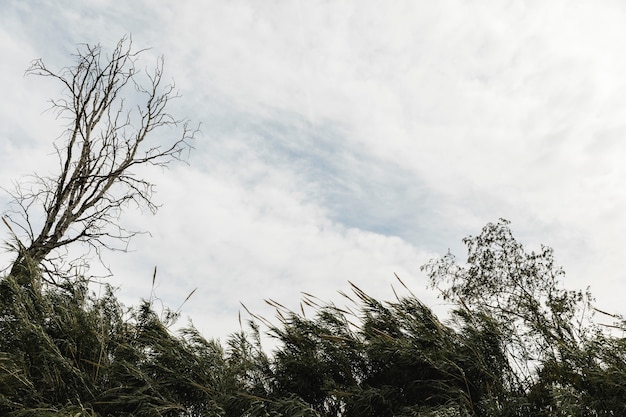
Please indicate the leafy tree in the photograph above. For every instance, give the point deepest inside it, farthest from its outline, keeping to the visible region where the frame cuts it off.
(521, 290)
(558, 359)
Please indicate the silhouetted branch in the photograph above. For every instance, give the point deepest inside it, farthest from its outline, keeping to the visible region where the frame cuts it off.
(104, 143)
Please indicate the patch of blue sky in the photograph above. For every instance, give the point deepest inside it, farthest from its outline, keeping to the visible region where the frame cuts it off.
(355, 187)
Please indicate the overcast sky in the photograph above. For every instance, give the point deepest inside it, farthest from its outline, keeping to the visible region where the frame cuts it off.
(349, 140)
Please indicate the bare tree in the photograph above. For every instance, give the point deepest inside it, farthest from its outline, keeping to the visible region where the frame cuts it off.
(106, 141)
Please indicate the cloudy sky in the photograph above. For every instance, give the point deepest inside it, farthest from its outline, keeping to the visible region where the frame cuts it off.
(349, 140)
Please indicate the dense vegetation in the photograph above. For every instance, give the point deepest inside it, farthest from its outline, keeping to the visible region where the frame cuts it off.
(517, 344)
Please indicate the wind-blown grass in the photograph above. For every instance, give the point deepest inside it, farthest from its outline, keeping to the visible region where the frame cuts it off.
(65, 351)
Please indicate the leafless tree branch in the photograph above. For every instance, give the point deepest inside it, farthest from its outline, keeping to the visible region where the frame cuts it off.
(104, 142)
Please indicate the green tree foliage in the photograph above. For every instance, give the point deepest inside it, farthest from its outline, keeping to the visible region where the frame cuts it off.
(387, 359)
(558, 359)
(522, 346)
(521, 290)
(65, 351)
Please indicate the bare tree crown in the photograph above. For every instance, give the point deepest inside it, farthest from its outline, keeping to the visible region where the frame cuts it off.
(105, 139)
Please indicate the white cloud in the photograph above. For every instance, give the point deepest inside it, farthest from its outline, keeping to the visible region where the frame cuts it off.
(348, 140)
(241, 242)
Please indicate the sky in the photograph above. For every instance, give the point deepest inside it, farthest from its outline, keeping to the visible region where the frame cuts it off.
(348, 141)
